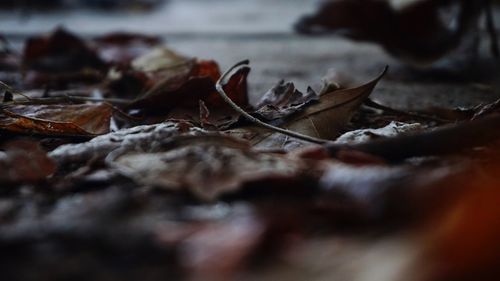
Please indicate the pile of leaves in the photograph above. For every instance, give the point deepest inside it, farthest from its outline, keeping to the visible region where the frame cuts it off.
(124, 160)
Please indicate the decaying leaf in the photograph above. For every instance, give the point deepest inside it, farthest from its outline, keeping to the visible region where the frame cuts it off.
(24, 162)
(57, 119)
(206, 166)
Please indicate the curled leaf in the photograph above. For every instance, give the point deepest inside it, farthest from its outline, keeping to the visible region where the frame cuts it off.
(284, 100)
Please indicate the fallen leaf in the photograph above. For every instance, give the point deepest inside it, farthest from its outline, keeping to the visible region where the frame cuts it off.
(57, 119)
(325, 118)
(139, 136)
(283, 100)
(206, 166)
(59, 59)
(180, 83)
(60, 51)
(329, 116)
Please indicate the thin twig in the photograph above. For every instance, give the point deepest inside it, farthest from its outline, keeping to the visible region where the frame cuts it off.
(12, 90)
(224, 79)
(56, 99)
(66, 98)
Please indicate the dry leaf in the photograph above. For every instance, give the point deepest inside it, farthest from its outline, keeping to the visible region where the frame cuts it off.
(328, 118)
(325, 119)
(206, 166)
(57, 120)
(283, 100)
(140, 136)
(60, 51)
(181, 83)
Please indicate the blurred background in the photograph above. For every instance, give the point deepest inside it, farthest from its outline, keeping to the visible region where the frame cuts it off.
(260, 30)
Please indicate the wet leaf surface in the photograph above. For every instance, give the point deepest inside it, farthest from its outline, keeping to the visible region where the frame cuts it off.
(57, 120)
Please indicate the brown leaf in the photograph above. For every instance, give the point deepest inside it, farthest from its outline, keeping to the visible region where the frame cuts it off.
(24, 162)
(60, 58)
(206, 166)
(60, 51)
(327, 118)
(57, 120)
(178, 84)
(324, 119)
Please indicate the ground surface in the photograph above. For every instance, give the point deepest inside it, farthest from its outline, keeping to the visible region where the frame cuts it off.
(229, 31)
